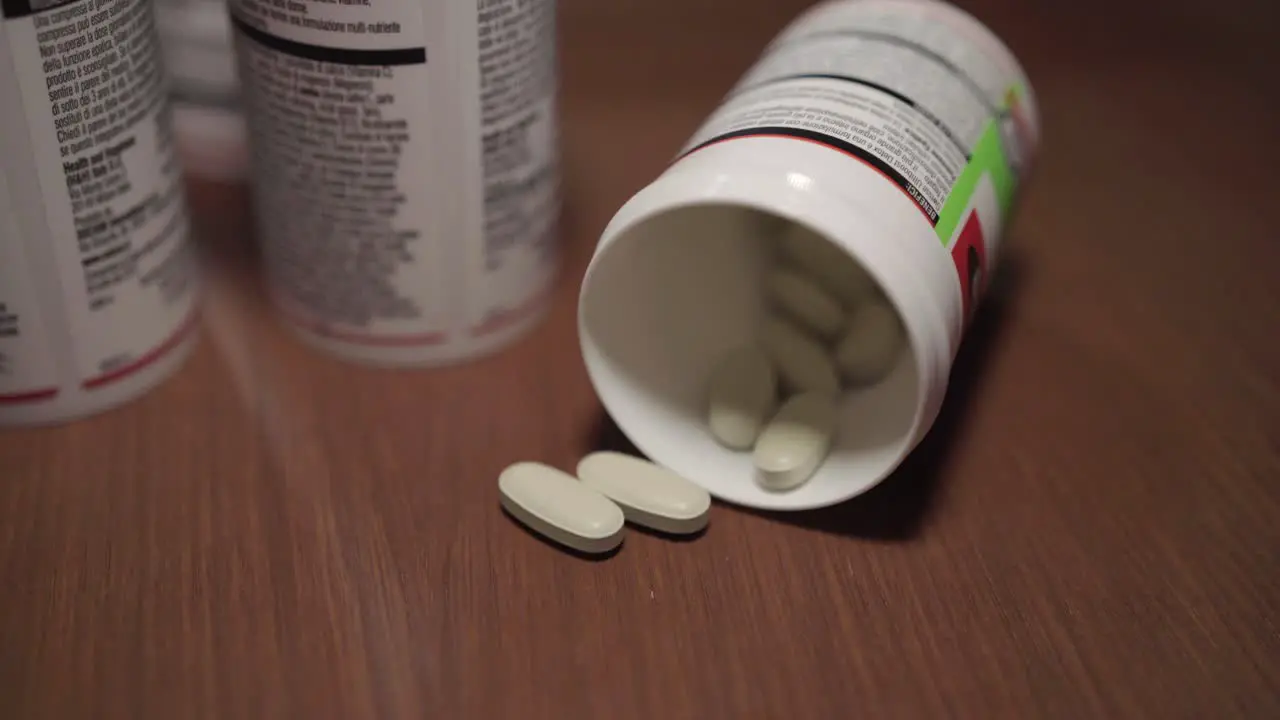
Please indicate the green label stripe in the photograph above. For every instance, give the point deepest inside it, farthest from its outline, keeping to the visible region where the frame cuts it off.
(988, 158)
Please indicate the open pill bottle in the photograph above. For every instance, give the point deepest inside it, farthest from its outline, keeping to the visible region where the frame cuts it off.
(900, 131)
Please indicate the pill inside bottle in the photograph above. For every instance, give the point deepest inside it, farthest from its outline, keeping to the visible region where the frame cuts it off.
(803, 300)
(817, 257)
(796, 441)
(871, 343)
(804, 365)
(741, 396)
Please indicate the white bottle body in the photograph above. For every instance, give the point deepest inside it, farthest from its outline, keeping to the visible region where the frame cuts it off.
(406, 175)
(899, 130)
(98, 283)
(208, 122)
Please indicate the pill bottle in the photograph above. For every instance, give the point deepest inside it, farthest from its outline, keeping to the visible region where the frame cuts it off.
(97, 279)
(899, 130)
(195, 39)
(405, 171)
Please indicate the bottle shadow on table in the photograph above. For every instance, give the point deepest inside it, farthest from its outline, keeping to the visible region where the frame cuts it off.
(896, 509)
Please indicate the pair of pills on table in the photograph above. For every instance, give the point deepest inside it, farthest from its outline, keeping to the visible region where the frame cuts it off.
(829, 326)
(587, 513)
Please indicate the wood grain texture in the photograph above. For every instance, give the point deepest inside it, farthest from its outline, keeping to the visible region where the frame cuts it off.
(1091, 531)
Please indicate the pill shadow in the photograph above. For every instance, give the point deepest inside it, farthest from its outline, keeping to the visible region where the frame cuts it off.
(607, 436)
(896, 509)
(573, 552)
(668, 537)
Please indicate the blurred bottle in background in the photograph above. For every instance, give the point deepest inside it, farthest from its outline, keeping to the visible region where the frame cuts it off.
(200, 59)
(405, 168)
(98, 284)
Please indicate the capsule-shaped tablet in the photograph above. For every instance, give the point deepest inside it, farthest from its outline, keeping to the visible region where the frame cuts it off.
(819, 258)
(741, 396)
(555, 505)
(871, 344)
(795, 442)
(803, 300)
(803, 364)
(649, 495)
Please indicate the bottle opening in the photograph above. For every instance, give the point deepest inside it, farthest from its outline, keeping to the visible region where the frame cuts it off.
(664, 300)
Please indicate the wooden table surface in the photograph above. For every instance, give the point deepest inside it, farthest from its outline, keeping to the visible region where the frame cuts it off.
(1091, 531)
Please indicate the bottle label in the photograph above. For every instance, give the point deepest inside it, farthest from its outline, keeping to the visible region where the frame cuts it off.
(27, 369)
(519, 157)
(911, 89)
(405, 173)
(94, 222)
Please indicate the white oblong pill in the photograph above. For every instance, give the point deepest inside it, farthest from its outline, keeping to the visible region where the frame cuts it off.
(871, 344)
(555, 505)
(802, 363)
(795, 442)
(649, 495)
(804, 300)
(837, 272)
(740, 397)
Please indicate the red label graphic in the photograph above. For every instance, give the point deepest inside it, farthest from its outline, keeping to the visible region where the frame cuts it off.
(970, 256)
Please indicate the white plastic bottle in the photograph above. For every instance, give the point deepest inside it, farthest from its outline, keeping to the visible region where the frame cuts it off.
(195, 37)
(405, 170)
(97, 280)
(899, 130)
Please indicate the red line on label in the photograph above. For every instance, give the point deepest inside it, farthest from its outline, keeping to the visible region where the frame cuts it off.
(875, 169)
(148, 359)
(357, 338)
(31, 396)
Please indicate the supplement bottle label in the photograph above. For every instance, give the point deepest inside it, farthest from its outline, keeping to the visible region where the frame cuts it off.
(908, 88)
(27, 371)
(404, 171)
(519, 151)
(97, 277)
